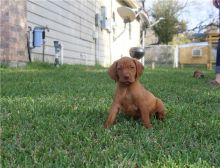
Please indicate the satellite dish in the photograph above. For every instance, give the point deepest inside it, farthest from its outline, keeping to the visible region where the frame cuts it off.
(127, 14)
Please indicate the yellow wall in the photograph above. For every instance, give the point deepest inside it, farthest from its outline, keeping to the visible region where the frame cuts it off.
(185, 55)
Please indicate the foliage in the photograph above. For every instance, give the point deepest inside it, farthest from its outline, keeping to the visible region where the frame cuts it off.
(53, 117)
(180, 39)
(170, 26)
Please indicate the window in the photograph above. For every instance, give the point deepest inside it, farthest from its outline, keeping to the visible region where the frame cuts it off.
(196, 52)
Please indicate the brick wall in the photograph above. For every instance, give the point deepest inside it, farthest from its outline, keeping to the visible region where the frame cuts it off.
(13, 23)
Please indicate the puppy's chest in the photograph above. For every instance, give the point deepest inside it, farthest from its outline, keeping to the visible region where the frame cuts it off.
(128, 105)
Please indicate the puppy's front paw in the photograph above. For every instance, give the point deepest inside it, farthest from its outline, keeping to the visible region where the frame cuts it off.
(106, 125)
(147, 125)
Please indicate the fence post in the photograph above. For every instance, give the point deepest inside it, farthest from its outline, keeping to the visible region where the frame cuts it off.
(176, 57)
(153, 65)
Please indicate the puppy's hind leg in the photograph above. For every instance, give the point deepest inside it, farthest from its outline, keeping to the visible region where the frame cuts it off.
(160, 110)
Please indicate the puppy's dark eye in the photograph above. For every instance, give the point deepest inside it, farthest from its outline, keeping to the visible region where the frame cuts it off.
(119, 68)
(132, 67)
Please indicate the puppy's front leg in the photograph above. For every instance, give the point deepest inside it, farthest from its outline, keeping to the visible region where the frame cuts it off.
(145, 117)
(112, 115)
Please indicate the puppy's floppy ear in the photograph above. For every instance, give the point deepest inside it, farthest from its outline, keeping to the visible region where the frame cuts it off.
(139, 68)
(112, 71)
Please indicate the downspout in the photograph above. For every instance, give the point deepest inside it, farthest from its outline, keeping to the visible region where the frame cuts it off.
(143, 45)
(111, 35)
(28, 43)
(95, 36)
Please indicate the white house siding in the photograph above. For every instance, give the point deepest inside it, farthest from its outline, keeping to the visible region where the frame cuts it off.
(129, 38)
(72, 22)
(113, 45)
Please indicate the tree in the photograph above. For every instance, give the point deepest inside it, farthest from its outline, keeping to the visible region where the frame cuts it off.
(180, 39)
(170, 26)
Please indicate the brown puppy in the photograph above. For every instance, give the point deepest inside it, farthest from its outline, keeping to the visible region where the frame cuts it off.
(131, 97)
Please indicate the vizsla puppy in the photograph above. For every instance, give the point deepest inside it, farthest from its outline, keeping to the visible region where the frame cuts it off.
(131, 97)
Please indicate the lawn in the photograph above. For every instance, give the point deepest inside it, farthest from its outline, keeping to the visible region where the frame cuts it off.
(53, 117)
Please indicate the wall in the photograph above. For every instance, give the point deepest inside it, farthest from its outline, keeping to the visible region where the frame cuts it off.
(103, 36)
(13, 32)
(185, 55)
(73, 24)
(123, 38)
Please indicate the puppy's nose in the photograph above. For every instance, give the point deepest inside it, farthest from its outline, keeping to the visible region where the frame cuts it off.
(126, 77)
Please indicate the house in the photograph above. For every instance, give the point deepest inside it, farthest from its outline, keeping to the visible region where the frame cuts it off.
(196, 53)
(90, 31)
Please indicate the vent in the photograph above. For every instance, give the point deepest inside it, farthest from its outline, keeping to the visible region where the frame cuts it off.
(197, 52)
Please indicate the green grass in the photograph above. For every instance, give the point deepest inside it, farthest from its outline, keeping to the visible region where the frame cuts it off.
(53, 117)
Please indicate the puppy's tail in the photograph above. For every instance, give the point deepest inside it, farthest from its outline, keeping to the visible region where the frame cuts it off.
(160, 110)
